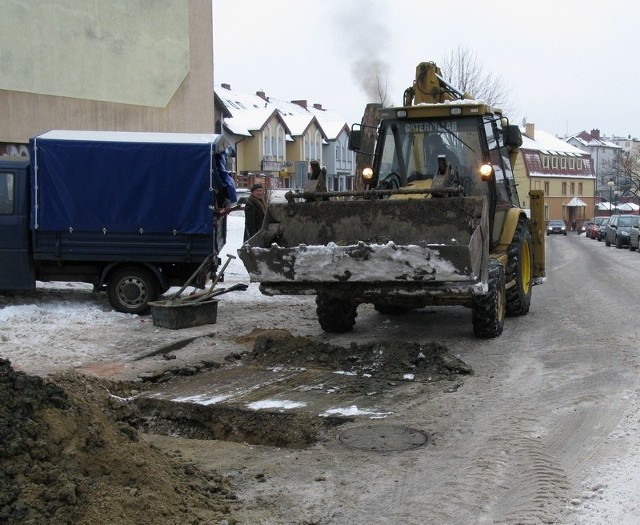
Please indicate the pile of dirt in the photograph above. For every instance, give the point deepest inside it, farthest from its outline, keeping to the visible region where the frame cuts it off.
(68, 457)
(391, 360)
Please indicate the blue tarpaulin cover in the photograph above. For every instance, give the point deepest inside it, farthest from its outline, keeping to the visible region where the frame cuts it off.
(122, 182)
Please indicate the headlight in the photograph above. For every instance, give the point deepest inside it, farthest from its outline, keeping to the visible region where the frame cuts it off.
(624, 232)
(486, 170)
(367, 174)
(563, 228)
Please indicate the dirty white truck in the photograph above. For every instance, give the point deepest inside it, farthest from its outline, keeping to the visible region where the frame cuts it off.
(439, 221)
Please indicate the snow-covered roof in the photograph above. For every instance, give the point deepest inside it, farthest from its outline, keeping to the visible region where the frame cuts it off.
(590, 141)
(550, 144)
(250, 112)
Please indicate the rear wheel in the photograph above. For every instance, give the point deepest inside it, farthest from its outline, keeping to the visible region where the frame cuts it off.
(488, 311)
(618, 242)
(131, 289)
(335, 315)
(520, 270)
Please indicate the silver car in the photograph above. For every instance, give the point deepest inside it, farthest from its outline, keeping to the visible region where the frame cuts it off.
(617, 231)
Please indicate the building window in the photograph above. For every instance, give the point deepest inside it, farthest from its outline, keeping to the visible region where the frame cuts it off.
(564, 190)
(579, 188)
(573, 188)
(563, 163)
(545, 161)
(279, 143)
(554, 162)
(546, 188)
(578, 164)
(266, 136)
(572, 163)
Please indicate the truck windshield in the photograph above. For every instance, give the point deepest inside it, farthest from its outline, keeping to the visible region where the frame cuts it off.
(411, 148)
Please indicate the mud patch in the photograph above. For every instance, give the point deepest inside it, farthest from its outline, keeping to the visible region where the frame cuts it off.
(394, 360)
(69, 458)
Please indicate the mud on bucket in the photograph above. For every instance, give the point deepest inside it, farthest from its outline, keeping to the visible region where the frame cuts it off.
(184, 314)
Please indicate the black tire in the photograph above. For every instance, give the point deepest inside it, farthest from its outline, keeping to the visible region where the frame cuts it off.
(618, 242)
(131, 289)
(606, 242)
(632, 248)
(488, 311)
(519, 269)
(391, 309)
(335, 315)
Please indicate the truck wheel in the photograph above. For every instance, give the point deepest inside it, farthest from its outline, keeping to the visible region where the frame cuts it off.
(488, 311)
(520, 270)
(130, 290)
(335, 315)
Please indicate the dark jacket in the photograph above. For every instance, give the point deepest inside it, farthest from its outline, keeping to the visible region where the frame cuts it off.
(254, 212)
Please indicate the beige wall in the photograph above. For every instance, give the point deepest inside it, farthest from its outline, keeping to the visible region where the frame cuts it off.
(186, 82)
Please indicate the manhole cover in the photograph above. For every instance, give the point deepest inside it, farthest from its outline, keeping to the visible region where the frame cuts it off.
(383, 438)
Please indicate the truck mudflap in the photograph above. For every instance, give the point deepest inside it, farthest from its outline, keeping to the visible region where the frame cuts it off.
(403, 246)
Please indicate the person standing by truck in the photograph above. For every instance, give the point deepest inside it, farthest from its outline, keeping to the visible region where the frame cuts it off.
(254, 211)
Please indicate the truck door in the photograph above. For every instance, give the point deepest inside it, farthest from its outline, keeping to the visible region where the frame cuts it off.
(17, 270)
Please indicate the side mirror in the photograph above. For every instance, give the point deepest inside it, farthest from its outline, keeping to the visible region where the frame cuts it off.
(355, 138)
(512, 136)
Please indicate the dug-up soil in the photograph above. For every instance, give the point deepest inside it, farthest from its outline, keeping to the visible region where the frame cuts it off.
(68, 459)
(71, 455)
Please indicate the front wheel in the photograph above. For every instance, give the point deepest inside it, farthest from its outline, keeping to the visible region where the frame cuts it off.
(488, 310)
(131, 289)
(520, 270)
(335, 315)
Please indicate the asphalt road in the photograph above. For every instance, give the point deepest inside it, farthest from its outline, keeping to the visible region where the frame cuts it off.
(544, 431)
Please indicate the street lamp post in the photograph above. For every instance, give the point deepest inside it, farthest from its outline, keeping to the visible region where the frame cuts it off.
(610, 184)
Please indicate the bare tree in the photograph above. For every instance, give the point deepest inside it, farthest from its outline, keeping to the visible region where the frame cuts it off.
(626, 166)
(382, 90)
(462, 70)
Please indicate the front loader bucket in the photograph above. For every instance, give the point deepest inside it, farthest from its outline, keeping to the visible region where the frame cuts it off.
(403, 243)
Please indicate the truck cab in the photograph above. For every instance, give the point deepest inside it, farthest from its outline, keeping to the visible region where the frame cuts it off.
(15, 256)
(465, 146)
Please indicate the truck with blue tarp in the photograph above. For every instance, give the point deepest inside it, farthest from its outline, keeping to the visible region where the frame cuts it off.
(131, 213)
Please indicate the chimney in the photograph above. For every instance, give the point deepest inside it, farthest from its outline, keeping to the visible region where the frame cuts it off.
(226, 86)
(530, 130)
(318, 106)
(262, 95)
(301, 103)
(595, 133)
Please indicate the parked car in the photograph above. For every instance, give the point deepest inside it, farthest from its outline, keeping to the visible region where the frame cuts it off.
(582, 227)
(588, 226)
(634, 234)
(602, 229)
(595, 225)
(556, 227)
(617, 231)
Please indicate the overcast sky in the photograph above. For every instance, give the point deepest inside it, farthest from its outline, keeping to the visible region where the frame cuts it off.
(570, 65)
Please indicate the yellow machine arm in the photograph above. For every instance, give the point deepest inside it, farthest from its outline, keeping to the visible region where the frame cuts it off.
(430, 87)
